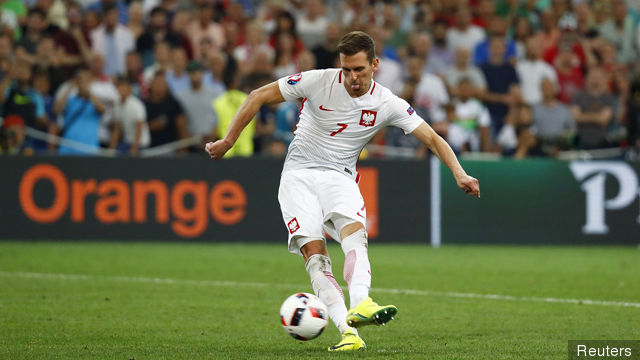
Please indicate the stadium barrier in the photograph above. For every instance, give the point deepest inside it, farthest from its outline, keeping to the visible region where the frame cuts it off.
(196, 199)
(545, 202)
(192, 199)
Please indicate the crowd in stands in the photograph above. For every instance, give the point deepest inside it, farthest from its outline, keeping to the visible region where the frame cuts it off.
(512, 77)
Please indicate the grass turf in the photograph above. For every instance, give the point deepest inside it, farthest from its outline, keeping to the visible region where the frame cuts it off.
(118, 312)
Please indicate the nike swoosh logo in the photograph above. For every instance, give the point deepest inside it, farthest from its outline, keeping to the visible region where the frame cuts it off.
(325, 109)
(358, 213)
(341, 345)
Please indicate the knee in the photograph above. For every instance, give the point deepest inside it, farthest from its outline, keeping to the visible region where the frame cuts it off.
(351, 229)
(357, 239)
(313, 247)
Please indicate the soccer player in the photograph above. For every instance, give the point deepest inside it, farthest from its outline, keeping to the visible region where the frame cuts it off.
(341, 111)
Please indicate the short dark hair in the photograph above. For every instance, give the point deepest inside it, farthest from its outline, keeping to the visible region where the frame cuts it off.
(356, 41)
(158, 10)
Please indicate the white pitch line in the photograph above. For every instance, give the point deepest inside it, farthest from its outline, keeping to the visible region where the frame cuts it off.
(168, 281)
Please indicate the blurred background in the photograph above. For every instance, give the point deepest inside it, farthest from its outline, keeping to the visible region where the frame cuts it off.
(106, 106)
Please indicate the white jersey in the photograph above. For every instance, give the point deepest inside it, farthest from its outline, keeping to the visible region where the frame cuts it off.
(334, 127)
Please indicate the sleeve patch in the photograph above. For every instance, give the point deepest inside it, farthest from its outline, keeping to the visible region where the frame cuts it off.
(410, 110)
(293, 79)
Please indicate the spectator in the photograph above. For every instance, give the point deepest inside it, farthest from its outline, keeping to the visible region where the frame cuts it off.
(49, 60)
(136, 19)
(286, 23)
(205, 27)
(502, 83)
(196, 100)
(285, 56)
(91, 21)
(20, 100)
(497, 27)
(552, 120)
(167, 121)
(592, 110)
(306, 61)
(217, 64)
(440, 54)
(570, 77)
(621, 32)
(464, 69)
(532, 70)
(485, 11)
(102, 89)
(420, 46)
(35, 29)
(549, 32)
(6, 55)
(180, 27)
(113, 40)
(157, 31)
(225, 108)
(73, 42)
(468, 120)
(430, 93)
(12, 135)
(389, 72)
(516, 136)
(326, 53)
(133, 71)
(312, 24)
(42, 85)
(254, 47)
(177, 76)
(162, 56)
(102, 6)
(464, 34)
(81, 113)
(521, 32)
(131, 118)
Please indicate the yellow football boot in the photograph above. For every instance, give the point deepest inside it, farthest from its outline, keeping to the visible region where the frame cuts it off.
(370, 313)
(350, 341)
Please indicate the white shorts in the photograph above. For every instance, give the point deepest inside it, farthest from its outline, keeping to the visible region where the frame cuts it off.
(313, 201)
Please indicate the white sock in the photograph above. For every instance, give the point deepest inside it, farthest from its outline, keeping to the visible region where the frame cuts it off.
(327, 289)
(357, 269)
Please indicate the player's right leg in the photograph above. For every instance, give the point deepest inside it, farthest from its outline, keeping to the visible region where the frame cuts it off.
(345, 220)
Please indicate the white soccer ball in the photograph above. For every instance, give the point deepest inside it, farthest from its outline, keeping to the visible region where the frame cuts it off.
(304, 316)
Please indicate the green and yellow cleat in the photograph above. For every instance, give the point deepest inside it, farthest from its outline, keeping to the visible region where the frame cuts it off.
(370, 313)
(350, 341)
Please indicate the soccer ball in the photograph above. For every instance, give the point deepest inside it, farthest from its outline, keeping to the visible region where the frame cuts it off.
(303, 316)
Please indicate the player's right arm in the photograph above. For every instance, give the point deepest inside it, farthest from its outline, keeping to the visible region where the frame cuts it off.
(266, 95)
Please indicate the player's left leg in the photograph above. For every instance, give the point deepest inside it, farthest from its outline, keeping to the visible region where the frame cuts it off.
(357, 274)
(318, 265)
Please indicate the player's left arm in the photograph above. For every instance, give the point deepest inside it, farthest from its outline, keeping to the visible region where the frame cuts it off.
(443, 151)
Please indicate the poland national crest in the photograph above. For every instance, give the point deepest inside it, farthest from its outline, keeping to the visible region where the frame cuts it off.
(368, 118)
(293, 225)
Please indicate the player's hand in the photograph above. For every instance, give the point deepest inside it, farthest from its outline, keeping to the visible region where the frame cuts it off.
(217, 149)
(469, 185)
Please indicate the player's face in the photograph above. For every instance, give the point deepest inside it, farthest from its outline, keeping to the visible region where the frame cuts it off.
(358, 72)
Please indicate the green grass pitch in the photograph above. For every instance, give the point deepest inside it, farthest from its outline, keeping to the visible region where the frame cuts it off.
(221, 301)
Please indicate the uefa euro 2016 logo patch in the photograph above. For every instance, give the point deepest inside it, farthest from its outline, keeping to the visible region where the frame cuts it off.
(293, 79)
(410, 110)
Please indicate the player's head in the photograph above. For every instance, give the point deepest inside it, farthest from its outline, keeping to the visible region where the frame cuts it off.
(358, 61)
